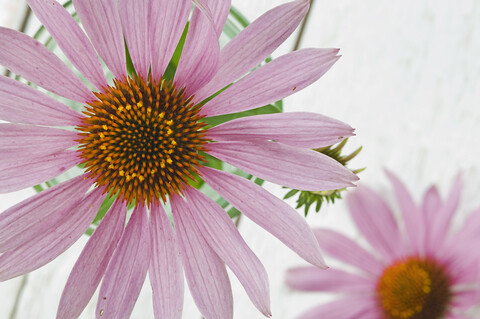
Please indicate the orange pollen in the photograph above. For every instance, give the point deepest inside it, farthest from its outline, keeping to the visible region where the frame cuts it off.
(414, 288)
(141, 140)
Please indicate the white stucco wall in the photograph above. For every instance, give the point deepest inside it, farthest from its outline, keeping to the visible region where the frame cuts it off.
(408, 81)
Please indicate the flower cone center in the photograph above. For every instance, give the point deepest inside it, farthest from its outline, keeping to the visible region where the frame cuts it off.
(141, 140)
(414, 289)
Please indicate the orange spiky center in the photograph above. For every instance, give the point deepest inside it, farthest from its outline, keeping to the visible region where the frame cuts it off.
(414, 288)
(141, 140)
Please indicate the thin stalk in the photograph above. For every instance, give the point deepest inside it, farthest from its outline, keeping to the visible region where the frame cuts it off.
(23, 284)
(302, 27)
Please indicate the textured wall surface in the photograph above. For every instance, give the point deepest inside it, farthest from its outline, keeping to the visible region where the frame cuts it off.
(408, 81)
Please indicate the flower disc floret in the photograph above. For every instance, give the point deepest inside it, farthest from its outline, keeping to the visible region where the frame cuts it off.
(141, 140)
(414, 288)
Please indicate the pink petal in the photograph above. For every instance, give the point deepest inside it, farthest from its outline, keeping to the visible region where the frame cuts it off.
(216, 11)
(413, 216)
(29, 59)
(462, 267)
(269, 212)
(127, 269)
(92, 263)
(459, 316)
(35, 141)
(166, 274)
(330, 280)
(205, 272)
(135, 20)
(464, 300)
(376, 223)
(70, 38)
(431, 203)
(274, 81)
(53, 241)
(200, 55)
(470, 228)
(221, 234)
(285, 165)
(362, 307)
(167, 22)
(300, 129)
(32, 171)
(23, 104)
(104, 28)
(254, 44)
(460, 251)
(348, 251)
(442, 222)
(34, 216)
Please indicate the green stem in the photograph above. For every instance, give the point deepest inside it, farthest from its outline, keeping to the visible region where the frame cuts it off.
(302, 27)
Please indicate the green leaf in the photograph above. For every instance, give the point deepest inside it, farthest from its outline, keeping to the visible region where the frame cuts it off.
(219, 119)
(106, 204)
(130, 67)
(38, 188)
(291, 193)
(169, 73)
(233, 212)
(239, 17)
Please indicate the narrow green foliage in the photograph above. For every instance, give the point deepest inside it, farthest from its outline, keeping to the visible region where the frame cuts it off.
(38, 188)
(169, 73)
(130, 67)
(107, 202)
(308, 199)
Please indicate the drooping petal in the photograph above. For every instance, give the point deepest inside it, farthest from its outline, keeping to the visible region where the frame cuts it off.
(51, 243)
(167, 22)
(442, 222)
(216, 10)
(431, 203)
(23, 104)
(254, 44)
(200, 55)
(464, 300)
(459, 316)
(221, 234)
(300, 129)
(165, 272)
(27, 140)
(360, 307)
(34, 216)
(70, 38)
(205, 272)
(103, 25)
(375, 221)
(32, 171)
(330, 280)
(273, 81)
(135, 16)
(285, 165)
(127, 269)
(92, 263)
(348, 251)
(413, 216)
(32, 61)
(460, 251)
(269, 212)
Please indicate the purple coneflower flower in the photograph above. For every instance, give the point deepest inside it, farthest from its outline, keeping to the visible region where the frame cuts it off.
(422, 270)
(141, 138)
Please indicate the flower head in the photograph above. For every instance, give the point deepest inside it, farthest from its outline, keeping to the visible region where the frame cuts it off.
(422, 270)
(141, 139)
